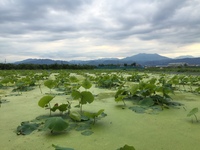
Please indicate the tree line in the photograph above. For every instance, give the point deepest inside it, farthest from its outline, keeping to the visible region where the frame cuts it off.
(10, 66)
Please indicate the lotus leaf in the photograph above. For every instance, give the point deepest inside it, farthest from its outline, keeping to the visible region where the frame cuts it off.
(126, 147)
(86, 84)
(26, 128)
(147, 102)
(87, 132)
(49, 83)
(75, 116)
(62, 107)
(45, 100)
(83, 127)
(76, 95)
(86, 96)
(93, 115)
(138, 109)
(56, 124)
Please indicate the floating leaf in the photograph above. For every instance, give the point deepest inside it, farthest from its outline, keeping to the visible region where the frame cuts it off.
(126, 147)
(87, 132)
(82, 127)
(147, 102)
(45, 100)
(138, 109)
(26, 128)
(56, 124)
(61, 148)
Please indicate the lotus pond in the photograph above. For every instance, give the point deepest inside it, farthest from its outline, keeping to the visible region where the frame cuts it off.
(98, 109)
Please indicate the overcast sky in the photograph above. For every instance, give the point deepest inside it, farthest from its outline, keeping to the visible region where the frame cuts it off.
(93, 29)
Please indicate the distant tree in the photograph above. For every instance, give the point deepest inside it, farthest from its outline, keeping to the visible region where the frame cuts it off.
(133, 64)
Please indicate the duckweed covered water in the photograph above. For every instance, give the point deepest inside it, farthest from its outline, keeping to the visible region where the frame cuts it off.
(166, 130)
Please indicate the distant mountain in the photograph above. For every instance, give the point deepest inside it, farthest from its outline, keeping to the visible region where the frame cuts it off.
(96, 61)
(142, 59)
(41, 61)
(184, 56)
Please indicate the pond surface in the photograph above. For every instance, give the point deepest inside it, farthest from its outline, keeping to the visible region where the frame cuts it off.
(169, 129)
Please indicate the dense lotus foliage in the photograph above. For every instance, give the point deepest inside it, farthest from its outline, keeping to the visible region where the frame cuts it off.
(146, 91)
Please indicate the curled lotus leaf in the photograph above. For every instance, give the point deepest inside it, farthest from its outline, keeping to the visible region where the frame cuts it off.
(75, 116)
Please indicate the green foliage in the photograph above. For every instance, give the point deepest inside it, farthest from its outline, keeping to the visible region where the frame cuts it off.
(197, 90)
(26, 128)
(135, 77)
(149, 93)
(50, 84)
(120, 95)
(44, 101)
(147, 102)
(6, 80)
(76, 116)
(193, 112)
(61, 148)
(126, 147)
(94, 115)
(84, 97)
(76, 94)
(109, 81)
(86, 84)
(61, 107)
(73, 79)
(87, 132)
(56, 124)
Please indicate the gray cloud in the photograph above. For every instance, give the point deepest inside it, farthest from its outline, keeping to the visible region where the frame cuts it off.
(25, 25)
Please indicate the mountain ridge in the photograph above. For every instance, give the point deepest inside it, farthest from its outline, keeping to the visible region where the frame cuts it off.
(141, 58)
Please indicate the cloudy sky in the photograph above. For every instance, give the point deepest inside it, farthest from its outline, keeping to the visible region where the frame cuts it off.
(93, 29)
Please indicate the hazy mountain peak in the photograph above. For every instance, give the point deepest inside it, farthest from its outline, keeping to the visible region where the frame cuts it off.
(184, 56)
(146, 57)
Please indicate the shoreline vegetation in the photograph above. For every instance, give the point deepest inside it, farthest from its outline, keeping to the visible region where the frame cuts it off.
(133, 66)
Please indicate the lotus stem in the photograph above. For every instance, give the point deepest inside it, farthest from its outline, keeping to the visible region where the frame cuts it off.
(196, 118)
